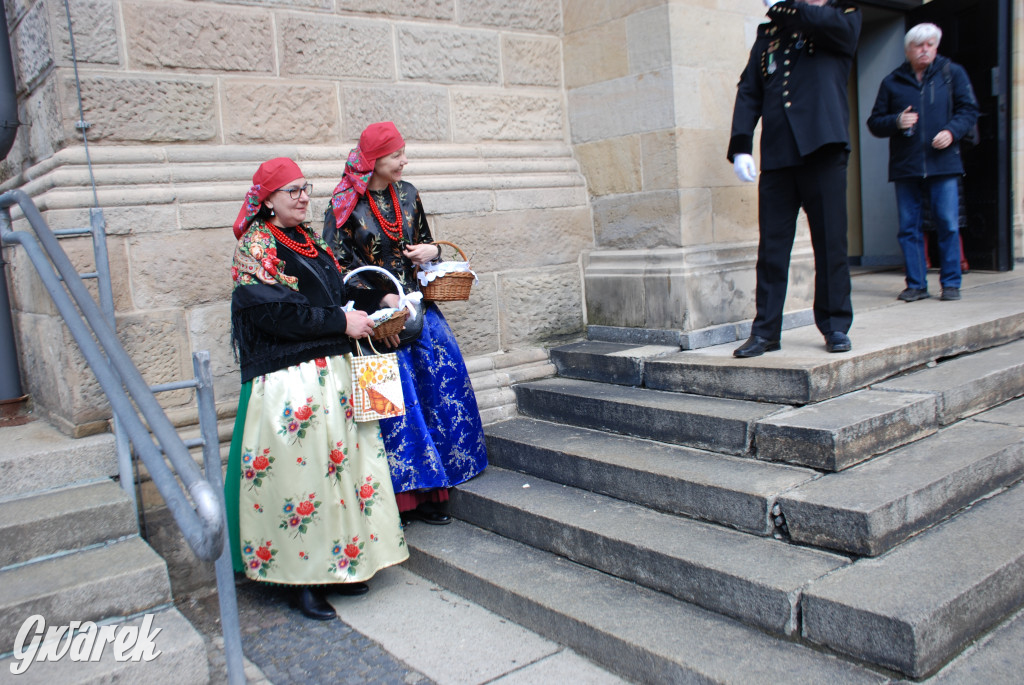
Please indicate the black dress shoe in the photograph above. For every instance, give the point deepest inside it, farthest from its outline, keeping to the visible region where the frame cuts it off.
(313, 605)
(756, 346)
(434, 514)
(837, 342)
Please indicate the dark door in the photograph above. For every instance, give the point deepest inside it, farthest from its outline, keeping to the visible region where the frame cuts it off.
(977, 35)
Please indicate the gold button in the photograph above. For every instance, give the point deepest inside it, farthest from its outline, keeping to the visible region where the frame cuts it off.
(786, 74)
(785, 93)
(786, 62)
(787, 104)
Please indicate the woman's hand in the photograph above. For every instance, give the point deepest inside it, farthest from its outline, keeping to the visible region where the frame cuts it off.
(391, 341)
(421, 253)
(358, 324)
(389, 300)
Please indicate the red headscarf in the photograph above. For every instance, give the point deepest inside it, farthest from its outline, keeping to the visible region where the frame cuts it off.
(271, 175)
(378, 140)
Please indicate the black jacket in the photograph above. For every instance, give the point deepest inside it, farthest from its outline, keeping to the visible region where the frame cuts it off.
(943, 99)
(795, 83)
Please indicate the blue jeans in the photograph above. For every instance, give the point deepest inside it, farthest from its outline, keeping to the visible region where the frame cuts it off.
(945, 203)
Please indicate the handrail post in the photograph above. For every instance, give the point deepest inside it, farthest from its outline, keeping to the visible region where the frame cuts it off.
(229, 622)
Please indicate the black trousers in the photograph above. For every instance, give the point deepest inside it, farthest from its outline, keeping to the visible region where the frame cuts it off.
(819, 186)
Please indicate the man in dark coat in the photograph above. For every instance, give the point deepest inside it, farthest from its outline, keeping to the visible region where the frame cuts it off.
(925, 107)
(795, 83)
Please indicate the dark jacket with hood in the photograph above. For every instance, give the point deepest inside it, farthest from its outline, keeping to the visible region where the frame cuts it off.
(943, 99)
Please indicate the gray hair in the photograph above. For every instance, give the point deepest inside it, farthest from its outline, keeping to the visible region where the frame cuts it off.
(922, 33)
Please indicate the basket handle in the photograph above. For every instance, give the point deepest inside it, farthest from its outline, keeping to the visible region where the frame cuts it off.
(404, 299)
(445, 242)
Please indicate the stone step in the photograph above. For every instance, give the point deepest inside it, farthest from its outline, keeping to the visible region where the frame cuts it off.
(120, 579)
(182, 659)
(639, 633)
(754, 579)
(868, 509)
(606, 362)
(711, 423)
(36, 456)
(64, 520)
(969, 384)
(917, 606)
(731, 491)
(838, 433)
(886, 342)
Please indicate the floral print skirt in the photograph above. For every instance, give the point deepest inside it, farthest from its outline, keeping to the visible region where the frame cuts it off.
(308, 490)
(439, 442)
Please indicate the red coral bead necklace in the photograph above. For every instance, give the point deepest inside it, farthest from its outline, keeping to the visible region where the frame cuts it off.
(306, 249)
(393, 229)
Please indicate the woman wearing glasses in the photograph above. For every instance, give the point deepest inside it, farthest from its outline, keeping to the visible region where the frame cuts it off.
(308, 490)
(376, 218)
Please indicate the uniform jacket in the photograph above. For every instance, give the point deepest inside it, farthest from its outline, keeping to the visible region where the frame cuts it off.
(795, 83)
(943, 99)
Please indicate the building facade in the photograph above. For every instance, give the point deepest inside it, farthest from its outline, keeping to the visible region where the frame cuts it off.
(574, 149)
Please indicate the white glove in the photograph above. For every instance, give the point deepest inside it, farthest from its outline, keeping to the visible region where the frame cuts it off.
(744, 167)
(769, 3)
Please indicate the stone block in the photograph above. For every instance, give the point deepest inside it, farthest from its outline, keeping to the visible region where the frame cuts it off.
(319, 45)
(33, 51)
(649, 40)
(521, 240)
(475, 321)
(197, 37)
(838, 433)
(165, 275)
(717, 96)
(80, 252)
(531, 61)
(461, 202)
(448, 55)
(596, 55)
(213, 214)
(157, 342)
(209, 329)
(441, 10)
(420, 112)
(660, 169)
(619, 107)
(516, 199)
(702, 162)
(479, 116)
(255, 112)
(615, 299)
(735, 214)
(539, 306)
(45, 129)
(699, 32)
(639, 220)
(526, 15)
(581, 14)
(613, 166)
(146, 110)
(95, 25)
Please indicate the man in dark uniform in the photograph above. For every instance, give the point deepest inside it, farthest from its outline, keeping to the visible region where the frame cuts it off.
(795, 83)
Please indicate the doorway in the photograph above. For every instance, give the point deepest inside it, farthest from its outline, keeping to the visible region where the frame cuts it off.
(977, 35)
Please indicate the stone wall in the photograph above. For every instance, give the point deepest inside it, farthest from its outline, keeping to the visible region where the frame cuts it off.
(183, 100)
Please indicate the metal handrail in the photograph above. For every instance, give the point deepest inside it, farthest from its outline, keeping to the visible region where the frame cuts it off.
(204, 524)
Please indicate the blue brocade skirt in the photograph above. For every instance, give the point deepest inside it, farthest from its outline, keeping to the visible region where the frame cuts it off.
(439, 442)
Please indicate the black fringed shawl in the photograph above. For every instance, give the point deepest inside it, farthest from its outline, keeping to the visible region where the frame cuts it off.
(285, 307)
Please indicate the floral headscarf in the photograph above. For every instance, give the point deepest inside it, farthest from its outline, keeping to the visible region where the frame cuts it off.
(376, 141)
(271, 175)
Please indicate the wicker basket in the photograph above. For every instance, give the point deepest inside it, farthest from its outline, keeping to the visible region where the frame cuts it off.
(391, 325)
(451, 286)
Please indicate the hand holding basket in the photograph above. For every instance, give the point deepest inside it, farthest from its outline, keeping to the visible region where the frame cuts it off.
(447, 281)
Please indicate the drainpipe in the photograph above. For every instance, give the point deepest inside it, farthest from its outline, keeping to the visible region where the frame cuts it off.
(10, 379)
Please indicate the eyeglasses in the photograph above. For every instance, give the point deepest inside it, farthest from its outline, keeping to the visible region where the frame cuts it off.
(296, 193)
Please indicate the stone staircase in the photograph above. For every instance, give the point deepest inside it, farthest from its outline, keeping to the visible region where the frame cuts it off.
(70, 551)
(864, 523)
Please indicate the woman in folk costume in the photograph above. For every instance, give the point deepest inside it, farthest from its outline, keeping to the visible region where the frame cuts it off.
(377, 219)
(308, 490)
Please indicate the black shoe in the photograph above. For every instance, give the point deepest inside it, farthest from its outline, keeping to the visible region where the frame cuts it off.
(756, 346)
(313, 605)
(913, 295)
(950, 294)
(351, 589)
(837, 342)
(434, 514)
